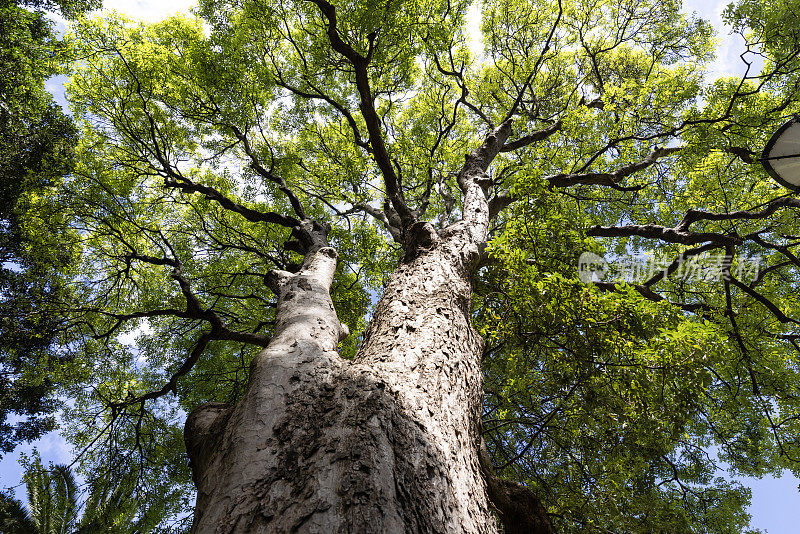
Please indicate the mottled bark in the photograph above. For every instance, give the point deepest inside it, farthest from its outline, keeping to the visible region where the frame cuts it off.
(387, 443)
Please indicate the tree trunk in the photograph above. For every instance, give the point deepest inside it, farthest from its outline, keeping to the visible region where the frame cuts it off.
(386, 443)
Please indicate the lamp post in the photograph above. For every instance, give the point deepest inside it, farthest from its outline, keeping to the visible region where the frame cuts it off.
(781, 156)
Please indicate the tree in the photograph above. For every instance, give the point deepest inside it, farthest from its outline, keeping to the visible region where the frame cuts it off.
(36, 139)
(54, 506)
(244, 187)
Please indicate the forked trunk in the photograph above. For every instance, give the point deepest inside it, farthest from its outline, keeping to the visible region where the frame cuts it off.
(386, 443)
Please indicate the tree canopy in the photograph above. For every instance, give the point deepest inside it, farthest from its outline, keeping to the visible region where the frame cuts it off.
(209, 145)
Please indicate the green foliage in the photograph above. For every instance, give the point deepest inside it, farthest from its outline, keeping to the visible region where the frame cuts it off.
(37, 140)
(53, 504)
(614, 403)
(597, 399)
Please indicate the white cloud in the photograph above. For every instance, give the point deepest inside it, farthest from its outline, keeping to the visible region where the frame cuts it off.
(729, 46)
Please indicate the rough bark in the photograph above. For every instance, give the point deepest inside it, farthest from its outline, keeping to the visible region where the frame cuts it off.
(387, 443)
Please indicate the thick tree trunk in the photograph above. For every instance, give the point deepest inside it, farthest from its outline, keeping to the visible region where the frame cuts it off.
(387, 443)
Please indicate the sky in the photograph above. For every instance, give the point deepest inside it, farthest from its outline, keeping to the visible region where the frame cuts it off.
(775, 504)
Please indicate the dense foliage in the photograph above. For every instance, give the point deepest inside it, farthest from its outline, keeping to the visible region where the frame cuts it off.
(204, 142)
(37, 141)
(54, 504)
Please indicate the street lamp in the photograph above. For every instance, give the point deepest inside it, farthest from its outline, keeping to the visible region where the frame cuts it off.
(781, 156)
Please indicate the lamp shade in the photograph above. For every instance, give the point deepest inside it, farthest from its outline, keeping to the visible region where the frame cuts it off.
(781, 156)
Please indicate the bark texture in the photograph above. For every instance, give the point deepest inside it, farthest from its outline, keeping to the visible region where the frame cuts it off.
(387, 443)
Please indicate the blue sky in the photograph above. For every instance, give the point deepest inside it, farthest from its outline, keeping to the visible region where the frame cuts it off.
(776, 502)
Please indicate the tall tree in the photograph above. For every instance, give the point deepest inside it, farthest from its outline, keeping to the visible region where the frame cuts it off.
(52, 502)
(245, 183)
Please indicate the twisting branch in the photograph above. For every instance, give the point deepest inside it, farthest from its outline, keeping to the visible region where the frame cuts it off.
(194, 308)
(744, 154)
(764, 301)
(178, 181)
(379, 215)
(371, 118)
(611, 179)
(173, 178)
(504, 199)
(267, 174)
(529, 81)
(478, 161)
(772, 206)
(680, 260)
(651, 295)
(318, 94)
(172, 384)
(122, 318)
(670, 235)
(541, 135)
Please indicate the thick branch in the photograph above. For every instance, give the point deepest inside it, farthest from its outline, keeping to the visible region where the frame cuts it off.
(782, 317)
(319, 95)
(670, 235)
(771, 207)
(474, 182)
(533, 138)
(611, 179)
(680, 260)
(121, 318)
(478, 161)
(378, 214)
(194, 308)
(179, 182)
(649, 294)
(500, 202)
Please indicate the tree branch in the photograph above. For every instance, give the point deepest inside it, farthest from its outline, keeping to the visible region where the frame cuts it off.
(394, 231)
(172, 383)
(533, 138)
(670, 235)
(263, 172)
(371, 118)
(478, 161)
(178, 181)
(194, 308)
(772, 206)
(611, 179)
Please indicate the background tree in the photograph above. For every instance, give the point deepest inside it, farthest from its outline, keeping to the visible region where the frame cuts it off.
(36, 141)
(54, 505)
(221, 172)
(52, 502)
